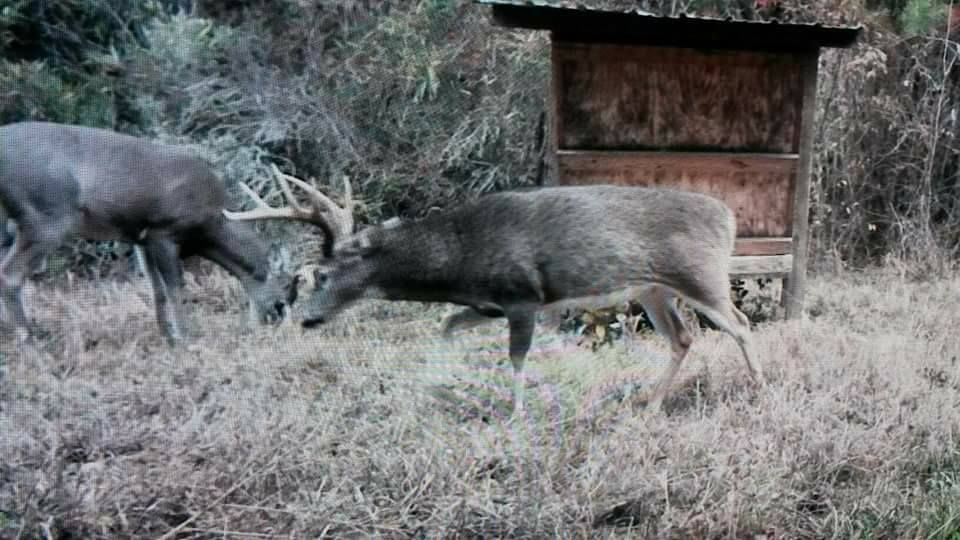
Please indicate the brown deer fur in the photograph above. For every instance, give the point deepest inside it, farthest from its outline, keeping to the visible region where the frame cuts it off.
(59, 182)
(511, 254)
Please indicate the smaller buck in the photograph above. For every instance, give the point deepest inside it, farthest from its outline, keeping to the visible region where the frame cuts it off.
(59, 182)
(512, 254)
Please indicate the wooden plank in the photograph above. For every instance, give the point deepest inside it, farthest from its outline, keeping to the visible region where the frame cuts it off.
(794, 286)
(761, 266)
(665, 57)
(755, 186)
(763, 246)
(622, 97)
(752, 160)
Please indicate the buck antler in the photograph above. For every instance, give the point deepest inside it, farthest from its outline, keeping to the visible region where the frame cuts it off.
(335, 221)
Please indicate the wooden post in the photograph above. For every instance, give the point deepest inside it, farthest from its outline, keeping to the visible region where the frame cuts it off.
(552, 177)
(794, 286)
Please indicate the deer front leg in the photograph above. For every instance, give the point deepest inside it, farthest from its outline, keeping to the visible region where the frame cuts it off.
(163, 266)
(521, 320)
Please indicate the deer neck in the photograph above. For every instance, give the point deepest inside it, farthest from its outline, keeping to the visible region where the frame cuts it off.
(419, 262)
(236, 249)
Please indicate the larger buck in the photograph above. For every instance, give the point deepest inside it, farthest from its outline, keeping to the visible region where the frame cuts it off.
(59, 182)
(512, 254)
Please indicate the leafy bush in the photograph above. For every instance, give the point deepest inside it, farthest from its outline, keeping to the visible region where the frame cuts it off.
(425, 104)
(35, 90)
(62, 59)
(448, 108)
(884, 160)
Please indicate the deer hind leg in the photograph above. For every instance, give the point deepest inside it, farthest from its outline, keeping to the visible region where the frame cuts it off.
(661, 307)
(470, 318)
(521, 320)
(31, 245)
(162, 263)
(715, 303)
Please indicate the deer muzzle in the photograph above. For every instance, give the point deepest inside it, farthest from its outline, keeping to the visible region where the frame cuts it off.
(312, 322)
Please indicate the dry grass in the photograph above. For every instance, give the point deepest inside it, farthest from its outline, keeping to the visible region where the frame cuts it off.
(375, 428)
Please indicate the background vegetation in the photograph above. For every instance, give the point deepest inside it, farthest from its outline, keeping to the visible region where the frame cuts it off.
(424, 103)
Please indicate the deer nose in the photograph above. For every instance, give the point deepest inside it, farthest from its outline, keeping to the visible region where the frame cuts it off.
(279, 310)
(310, 323)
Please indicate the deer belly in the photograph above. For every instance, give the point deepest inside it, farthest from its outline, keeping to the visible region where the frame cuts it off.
(600, 300)
(95, 227)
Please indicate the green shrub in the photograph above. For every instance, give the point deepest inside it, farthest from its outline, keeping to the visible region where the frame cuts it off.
(34, 90)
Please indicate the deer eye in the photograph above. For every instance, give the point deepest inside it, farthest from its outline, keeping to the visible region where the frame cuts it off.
(320, 277)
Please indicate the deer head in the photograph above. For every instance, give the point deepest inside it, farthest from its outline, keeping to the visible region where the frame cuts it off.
(341, 279)
(271, 298)
(335, 221)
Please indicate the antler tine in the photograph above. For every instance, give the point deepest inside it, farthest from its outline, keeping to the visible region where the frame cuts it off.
(284, 181)
(348, 203)
(315, 194)
(335, 221)
(346, 212)
(323, 206)
(253, 195)
(262, 211)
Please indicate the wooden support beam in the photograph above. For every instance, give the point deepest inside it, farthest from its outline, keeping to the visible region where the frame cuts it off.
(554, 98)
(794, 286)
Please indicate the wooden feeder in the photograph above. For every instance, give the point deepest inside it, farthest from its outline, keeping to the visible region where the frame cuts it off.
(717, 106)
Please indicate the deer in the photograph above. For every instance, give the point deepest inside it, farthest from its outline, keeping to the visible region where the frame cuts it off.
(515, 253)
(60, 182)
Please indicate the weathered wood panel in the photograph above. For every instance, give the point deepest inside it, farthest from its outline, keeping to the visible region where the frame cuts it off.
(757, 187)
(606, 104)
(776, 265)
(621, 97)
(733, 106)
(763, 246)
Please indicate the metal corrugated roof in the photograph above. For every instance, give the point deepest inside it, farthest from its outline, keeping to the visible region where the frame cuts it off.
(559, 4)
(572, 20)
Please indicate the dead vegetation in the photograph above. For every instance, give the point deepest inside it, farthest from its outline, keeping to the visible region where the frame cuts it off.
(376, 428)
